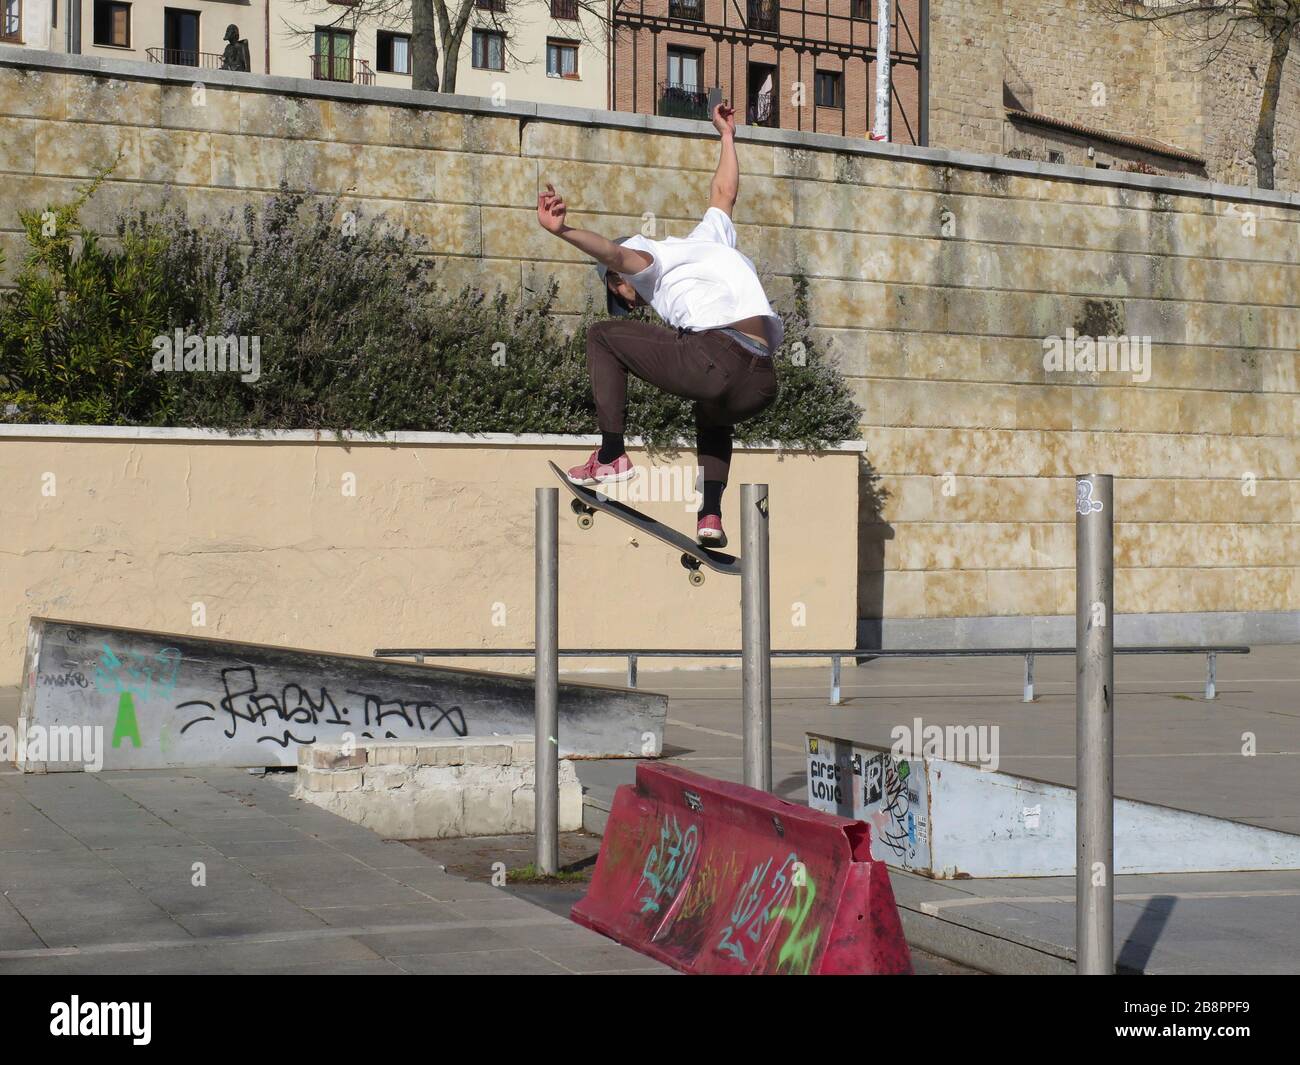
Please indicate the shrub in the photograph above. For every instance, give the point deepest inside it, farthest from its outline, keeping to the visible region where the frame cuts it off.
(357, 330)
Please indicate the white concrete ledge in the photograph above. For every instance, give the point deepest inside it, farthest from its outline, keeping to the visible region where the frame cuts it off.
(347, 437)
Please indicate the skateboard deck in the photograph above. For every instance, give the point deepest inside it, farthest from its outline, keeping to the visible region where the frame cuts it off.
(587, 502)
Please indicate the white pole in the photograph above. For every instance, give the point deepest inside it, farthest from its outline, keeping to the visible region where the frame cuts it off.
(881, 129)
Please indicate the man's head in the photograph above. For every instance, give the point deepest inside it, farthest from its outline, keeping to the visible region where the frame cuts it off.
(620, 297)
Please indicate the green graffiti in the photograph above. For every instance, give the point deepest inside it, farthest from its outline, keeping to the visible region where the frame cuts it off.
(903, 770)
(798, 951)
(126, 727)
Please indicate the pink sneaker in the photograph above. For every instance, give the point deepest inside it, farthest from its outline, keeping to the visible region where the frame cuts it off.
(709, 531)
(593, 471)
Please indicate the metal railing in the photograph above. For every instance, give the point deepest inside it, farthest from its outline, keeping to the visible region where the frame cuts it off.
(185, 57)
(682, 101)
(341, 68)
(836, 657)
(692, 10)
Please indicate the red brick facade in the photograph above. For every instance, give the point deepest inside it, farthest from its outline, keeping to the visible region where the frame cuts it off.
(727, 44)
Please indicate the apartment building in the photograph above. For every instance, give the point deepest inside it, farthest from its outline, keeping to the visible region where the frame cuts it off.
(547, 51)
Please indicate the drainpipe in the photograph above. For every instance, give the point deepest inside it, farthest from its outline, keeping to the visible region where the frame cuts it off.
(72, 31)
(882, 70)
(266, 27)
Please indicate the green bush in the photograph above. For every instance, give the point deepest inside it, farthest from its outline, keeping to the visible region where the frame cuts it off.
(357, 331)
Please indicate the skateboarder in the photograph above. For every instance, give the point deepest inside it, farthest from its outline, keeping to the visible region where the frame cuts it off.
(718, 351)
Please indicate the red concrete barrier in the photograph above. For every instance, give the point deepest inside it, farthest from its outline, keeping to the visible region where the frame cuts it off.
(711, 877)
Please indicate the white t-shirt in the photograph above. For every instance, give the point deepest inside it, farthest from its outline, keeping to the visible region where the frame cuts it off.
(701, 281)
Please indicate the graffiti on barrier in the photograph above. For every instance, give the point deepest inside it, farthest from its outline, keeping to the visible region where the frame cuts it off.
(893, 819)
(143, 677)
(293, 713)
(708, 883)
(667, 864)
(799, 948)
(132, 679)
(756, 904)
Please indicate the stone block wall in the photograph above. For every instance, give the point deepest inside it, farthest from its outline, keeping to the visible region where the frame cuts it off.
(938, 281)
(437, 790)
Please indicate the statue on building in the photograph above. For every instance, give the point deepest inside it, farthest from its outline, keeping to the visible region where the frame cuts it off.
(236, 56)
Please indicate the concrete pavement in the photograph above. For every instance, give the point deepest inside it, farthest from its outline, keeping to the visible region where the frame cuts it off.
(223, 872)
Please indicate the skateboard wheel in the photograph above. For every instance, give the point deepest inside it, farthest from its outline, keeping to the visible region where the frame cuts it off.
(585, 521)
(577, 506)
(696, 577)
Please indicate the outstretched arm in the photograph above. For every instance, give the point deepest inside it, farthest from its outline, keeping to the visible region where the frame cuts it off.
(551, 211)
(726, 180)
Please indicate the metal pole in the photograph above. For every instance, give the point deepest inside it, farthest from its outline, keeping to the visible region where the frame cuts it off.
(1094, 692)
(1029, 679)
(755, 637)
(1209, 675)
(631, 671)
(835, 681)
(546, 674)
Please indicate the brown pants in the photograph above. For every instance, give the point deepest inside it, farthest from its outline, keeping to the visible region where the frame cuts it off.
(727, 382)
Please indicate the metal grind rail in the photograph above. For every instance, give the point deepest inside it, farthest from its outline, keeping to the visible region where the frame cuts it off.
(836, 657)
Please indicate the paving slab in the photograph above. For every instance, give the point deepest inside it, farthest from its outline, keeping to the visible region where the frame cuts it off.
(223, 872)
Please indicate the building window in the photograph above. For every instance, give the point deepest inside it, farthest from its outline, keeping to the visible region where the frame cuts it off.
(180, 37)
(393, 52)
(561, 59)
(686, 9)
(489, 50)
(334, 53)
(11, 28)
(860, 9)
(112, 24)
(567, 9)
(684, 67)
(490, 5)
(682, 94)
(828, 88)
(1054, 156)
(764, 15)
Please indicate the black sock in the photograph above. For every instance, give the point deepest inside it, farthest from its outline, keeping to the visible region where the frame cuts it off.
(611, 446)
(713, 498)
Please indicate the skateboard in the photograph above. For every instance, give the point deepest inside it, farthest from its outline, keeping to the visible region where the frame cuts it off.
(586, 502)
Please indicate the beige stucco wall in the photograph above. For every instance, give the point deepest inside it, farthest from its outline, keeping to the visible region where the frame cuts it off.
(934, 281)
(351, 547)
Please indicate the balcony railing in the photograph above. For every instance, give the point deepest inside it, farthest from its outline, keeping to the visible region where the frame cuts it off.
(682, 101)
(567, 9)
(686, 9)
(764, 15)
(185, 57)
(341, 68)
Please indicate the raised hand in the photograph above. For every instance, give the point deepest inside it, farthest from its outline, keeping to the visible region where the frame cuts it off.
(724, 118)
(551, 210)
